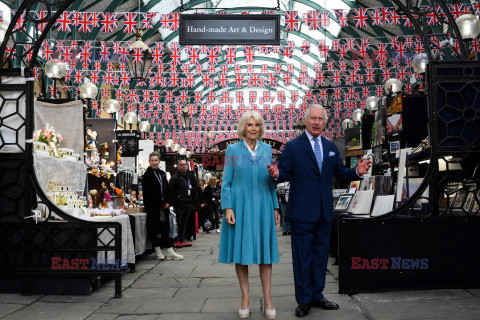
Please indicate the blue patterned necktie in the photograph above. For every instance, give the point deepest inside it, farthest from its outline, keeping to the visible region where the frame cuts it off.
(318, 154)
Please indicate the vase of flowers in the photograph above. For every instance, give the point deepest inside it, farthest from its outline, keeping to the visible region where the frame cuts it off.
(50, 137)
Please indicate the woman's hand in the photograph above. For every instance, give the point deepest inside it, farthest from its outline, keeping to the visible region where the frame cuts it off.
(277, 216)
(230, 216)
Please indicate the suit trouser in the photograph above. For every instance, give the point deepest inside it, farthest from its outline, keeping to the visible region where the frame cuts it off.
(190, 229)
(182, 214)
(310, 242)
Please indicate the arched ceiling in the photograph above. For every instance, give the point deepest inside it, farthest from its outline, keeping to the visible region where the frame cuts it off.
(298, 62)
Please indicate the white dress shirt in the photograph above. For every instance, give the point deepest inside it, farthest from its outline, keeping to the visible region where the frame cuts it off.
(253, 152)
(312, 143)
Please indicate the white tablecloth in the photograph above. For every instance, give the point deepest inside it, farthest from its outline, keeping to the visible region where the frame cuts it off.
(62, 172)
(128, 252)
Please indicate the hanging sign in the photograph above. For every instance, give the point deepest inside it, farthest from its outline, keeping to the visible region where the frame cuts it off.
(214, 29)
(128, 140)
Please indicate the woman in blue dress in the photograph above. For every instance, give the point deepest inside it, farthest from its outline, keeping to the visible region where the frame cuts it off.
(249, 202)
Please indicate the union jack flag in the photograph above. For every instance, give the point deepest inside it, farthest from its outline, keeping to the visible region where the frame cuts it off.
(85, 22)
(63, 22)
(249, 53)
(212, 55)
(361, 18)
(104, 53)
(157, 54)
(130, 22)
(173, 21)
(313, 19)
(175, 54)
(342, 17)
(377, 19)
(193, 56)
(148, 20)
(109, 22)
(40, 15)
(291, 21)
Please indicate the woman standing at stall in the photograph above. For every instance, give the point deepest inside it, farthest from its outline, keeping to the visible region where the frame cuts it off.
(249, 199)
(155, 199)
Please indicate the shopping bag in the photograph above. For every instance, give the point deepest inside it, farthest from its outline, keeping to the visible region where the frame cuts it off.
(173, 224)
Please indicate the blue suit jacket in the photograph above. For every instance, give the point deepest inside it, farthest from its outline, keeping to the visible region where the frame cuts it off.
(311, 192)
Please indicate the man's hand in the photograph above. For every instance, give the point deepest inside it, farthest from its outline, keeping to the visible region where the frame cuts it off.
(273, 170)
(363, 166)
(277, 216)
(230, 216)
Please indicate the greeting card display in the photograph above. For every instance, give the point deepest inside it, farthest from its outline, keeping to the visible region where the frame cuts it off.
(395, 105)
(394, 123)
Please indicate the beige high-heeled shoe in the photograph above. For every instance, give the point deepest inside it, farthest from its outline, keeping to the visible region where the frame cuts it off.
(244, 313)
(270, 314)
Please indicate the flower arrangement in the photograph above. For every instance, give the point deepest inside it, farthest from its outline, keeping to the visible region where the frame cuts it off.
(47, 135)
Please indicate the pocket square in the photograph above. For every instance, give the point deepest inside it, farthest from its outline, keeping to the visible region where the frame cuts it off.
(331, 154)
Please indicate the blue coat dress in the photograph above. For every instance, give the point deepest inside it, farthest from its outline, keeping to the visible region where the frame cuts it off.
(248, 189)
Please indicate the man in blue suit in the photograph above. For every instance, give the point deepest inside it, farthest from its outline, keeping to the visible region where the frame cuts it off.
(310, 162)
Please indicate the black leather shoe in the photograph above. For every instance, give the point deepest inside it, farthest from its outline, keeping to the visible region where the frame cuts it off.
(324, 304)
(302, 310)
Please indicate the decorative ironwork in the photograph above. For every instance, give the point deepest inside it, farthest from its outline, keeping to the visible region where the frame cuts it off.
(434, 42)
(27, 249)
(23, 45)
(13, 188)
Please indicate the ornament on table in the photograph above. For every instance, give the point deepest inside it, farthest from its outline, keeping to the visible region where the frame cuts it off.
(119, 154)
(133, 199)
(49, 136)
(104, 164)
(95, 197)
(92, 140)
(104, 151)
(95, 158)
(95, 172)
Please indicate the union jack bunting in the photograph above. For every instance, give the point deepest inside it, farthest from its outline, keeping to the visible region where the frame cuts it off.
(291, 21)
(313, 19)
(249, 53)
(63, 22)
(130, 22)
(109, 22)
(342, 17)
(361, 18)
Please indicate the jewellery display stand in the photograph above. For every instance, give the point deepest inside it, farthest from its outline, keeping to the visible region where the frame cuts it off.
(41, 255)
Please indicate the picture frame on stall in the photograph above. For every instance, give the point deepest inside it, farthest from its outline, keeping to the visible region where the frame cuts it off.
(344, 202)
(394, 146)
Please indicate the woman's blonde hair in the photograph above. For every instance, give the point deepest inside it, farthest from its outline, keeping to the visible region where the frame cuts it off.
(212, 182)
(243, 121)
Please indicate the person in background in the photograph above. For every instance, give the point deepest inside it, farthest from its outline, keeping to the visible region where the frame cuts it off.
(207, 177)
(283, 190)
(155, 200)
(211, 199)
(198, 202)
(249, 199)
(218, 211)
(182, 187)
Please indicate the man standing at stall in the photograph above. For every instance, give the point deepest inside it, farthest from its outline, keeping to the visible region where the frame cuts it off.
(182, 187)
(310, 162)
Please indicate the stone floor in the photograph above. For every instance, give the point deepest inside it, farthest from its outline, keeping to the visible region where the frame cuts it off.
(200, 288)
